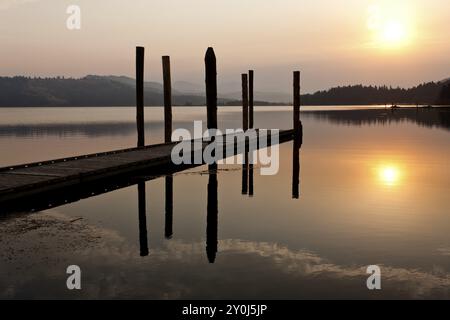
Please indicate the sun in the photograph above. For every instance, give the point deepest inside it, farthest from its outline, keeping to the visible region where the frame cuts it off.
(391, 27)
(394, 32)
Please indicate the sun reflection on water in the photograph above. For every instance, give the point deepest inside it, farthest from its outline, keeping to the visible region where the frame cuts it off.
(389, 175)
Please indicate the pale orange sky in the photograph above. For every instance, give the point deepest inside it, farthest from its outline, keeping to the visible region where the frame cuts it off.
(332, 42)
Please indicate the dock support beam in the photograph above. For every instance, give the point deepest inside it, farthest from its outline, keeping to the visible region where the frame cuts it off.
(167, 99)
(250, 99)
(211, 88)
(140, 96)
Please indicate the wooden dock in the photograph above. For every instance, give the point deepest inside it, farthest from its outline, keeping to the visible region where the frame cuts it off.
(21, 181)
(74, 178)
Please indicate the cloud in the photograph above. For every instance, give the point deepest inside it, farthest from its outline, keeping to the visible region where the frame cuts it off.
(37, 248)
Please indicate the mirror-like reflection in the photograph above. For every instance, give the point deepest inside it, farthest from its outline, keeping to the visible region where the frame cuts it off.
(168, 229)
(428, 117)
(370, 193)
(251, 192)
(296, 145)
(212, 214)
(142, 219)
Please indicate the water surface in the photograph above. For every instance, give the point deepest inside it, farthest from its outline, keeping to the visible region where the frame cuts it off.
(373, 190)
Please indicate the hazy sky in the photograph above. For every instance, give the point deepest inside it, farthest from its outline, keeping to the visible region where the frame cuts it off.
(332, 42)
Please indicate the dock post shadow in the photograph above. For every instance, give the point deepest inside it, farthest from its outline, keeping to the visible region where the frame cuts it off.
(212, 215)
(143, 241)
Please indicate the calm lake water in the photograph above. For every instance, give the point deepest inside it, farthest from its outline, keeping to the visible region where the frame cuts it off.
(374, 190)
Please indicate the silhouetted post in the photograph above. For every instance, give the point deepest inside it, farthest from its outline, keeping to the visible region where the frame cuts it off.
(250, 99)
(168, 228)
(296, 101)
(140, 95)
(167, 99)
(142, 220)
(211, 88)
(244, 102)
(212, 215)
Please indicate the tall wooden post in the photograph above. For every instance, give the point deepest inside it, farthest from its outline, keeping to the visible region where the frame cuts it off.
(211, 88)
(244, 102)
(167, 99)
(140, 95)
(250, 99)
(296, 101)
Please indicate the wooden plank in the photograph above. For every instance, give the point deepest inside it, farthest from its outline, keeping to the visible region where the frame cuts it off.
(8, 180)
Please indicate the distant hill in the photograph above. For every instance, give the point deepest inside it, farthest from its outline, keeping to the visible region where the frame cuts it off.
(87, 91)
(95, 90)
(427, 93)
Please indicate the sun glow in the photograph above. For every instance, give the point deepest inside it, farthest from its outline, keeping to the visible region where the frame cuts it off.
(389, 175)
(391, 27)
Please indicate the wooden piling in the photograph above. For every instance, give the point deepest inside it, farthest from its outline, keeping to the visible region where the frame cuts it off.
(167, 99)
(244, 102)
(250, 99)
(296, 113)
(140, 96)
(211, 88)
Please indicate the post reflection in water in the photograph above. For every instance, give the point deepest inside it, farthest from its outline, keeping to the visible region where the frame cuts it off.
(212, 199)
(212, 215)
(142, 220)
(250, 180)
(168, 229)
(245, 173)
(296, 145)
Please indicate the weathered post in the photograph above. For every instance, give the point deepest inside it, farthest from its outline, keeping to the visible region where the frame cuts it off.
(167, 99)
(250, 99)
(244, 102)
(211, 88)
(296, 102)
(140, 95)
